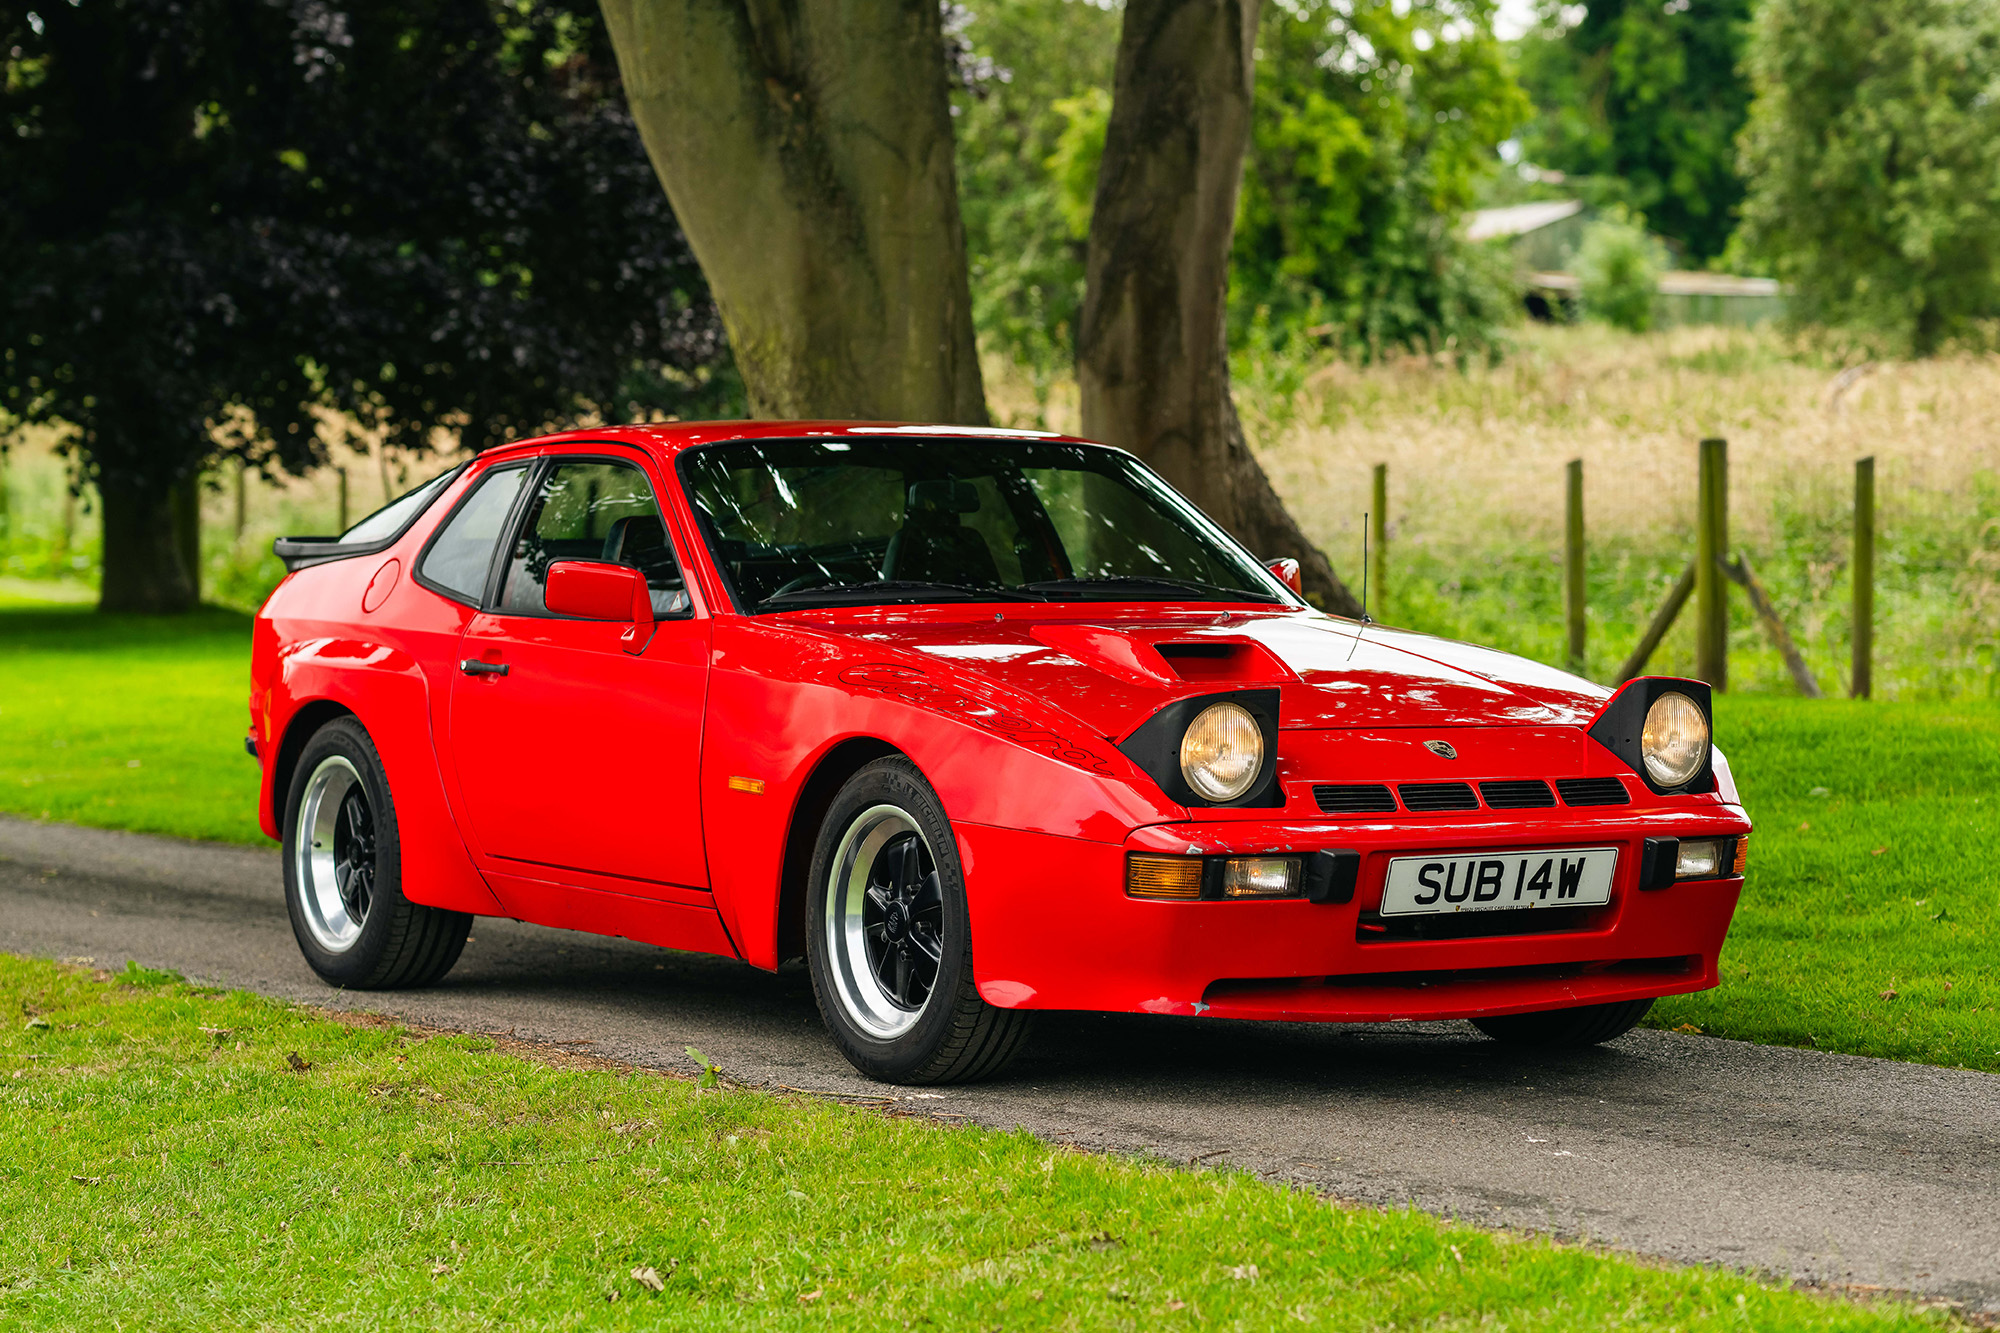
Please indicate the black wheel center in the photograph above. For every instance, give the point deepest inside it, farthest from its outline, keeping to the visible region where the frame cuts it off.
(897, 921)
(354, 855)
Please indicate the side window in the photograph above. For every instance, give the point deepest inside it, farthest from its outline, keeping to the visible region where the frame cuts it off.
(593, 511)
(462, 551)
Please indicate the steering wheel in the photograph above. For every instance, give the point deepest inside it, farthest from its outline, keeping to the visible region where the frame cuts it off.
(811, 580)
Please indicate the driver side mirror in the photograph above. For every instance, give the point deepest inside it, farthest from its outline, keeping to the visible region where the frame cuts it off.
(1287, 570)
(596, 590)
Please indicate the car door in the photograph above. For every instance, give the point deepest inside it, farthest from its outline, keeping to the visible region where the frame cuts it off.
(572, 753)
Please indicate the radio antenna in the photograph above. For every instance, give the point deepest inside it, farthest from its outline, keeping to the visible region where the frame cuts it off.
(1365, 619)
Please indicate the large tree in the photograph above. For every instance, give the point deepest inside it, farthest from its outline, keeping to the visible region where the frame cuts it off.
(238, 226)
(1873, 151)
(1152, 360)
(807, 148)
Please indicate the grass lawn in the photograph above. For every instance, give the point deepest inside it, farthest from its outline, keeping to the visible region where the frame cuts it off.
(165, 1163)
(1827, 927)
(1872, 910)
(128, 722)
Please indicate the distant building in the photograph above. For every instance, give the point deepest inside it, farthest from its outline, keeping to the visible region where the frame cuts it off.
(1545, 235)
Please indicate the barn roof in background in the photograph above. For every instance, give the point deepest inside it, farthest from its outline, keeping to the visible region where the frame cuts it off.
(1519, 219)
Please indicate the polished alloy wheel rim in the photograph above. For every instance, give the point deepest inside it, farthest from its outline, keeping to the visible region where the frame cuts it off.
(334, 854)
(884, 922)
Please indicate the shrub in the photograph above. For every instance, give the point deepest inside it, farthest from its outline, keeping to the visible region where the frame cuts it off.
(1620, 268)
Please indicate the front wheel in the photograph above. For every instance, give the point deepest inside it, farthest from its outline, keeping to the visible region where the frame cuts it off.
(1583, 1025)
(343, 872)
(888, 941)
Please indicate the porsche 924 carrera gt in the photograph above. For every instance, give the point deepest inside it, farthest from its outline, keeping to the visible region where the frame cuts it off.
(976, 722)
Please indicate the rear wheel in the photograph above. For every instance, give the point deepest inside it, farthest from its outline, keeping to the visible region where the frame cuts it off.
(343, 872)
(888, 941)
(1583, 1025)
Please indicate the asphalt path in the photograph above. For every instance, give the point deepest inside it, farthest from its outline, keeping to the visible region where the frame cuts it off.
(1824, 1169)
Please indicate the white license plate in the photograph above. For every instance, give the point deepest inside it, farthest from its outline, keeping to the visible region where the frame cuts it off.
(1499, 881)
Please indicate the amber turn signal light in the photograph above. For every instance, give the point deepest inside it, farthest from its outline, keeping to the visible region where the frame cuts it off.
(1173, 878)
(1742, 856)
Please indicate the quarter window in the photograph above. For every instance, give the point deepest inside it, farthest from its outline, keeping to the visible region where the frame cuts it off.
(462, 552)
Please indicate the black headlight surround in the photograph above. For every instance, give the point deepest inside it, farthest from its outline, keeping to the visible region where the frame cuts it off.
(1155, 746)
(1619, 726)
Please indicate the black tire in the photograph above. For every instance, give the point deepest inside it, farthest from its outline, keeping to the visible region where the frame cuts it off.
(1556, 1029)
(399, 943)
(952, 1036)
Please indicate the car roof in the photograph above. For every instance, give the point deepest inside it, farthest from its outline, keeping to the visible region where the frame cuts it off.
(669, 438)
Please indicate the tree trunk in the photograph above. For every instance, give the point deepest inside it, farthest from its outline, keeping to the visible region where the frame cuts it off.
(806, 146)
(186, 499)
(1152, 360)
(144, 568)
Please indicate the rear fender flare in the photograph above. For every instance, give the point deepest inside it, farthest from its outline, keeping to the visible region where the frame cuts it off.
(385, 690)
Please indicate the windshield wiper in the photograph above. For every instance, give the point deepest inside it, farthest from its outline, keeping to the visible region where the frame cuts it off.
(908, 590)
(1121, 582)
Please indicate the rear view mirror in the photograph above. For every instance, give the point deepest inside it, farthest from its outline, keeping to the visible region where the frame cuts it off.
(594, 590)
(1287, 570)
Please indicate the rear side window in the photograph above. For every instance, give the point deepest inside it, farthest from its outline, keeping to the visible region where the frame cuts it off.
(393, 517)
(462, 552)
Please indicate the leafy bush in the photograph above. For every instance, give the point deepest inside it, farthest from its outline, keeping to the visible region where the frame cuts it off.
(1619, 265)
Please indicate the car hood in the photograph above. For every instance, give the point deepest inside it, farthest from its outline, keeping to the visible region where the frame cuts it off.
(1114, 673)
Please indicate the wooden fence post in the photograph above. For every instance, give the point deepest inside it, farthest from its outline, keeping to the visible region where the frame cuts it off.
(242, 499)
(1573, 587)
(1711, 646)
(1864, 578)
(342, 473)
(1378, 536)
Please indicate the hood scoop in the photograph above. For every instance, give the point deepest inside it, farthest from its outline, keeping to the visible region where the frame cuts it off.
(1164, 659)
(1222, 662)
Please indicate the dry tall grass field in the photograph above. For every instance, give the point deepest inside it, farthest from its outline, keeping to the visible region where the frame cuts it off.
(1476, 475)
(1476, 462)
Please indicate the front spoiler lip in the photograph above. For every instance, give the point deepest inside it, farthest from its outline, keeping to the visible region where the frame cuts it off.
(1480, 994)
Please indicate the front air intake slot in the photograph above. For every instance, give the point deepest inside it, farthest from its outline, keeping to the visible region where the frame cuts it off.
(1593, 791)
(1517, 794)
(1425, 798)
(1371, 798)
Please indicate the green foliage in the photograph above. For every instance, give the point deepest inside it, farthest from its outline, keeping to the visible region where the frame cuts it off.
(1648, 94)
(1374, 123)
(1029, 138)
(263, 224)
(1619, 265)
(167, 1166)
(1873, 150)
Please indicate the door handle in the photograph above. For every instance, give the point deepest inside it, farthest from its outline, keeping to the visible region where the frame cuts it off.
(473, 667)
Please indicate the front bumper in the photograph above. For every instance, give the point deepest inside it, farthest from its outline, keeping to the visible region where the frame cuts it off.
(1053, 929)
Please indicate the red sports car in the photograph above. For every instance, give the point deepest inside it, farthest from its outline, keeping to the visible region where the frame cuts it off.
(978, 722)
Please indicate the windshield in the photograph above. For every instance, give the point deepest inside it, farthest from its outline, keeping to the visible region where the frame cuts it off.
(852, 522)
